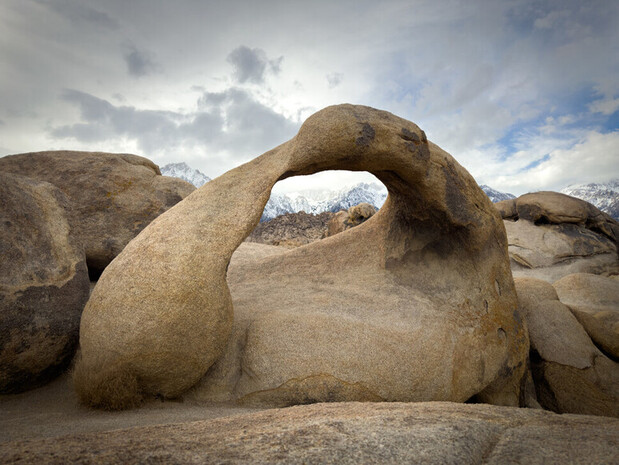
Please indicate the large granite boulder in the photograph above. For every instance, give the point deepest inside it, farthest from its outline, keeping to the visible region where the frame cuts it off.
(345, 433)
(355, 215)
(114, 196)
(571, 374)
(594, 301)
(417, 303)
(43, 283)
(552, 235)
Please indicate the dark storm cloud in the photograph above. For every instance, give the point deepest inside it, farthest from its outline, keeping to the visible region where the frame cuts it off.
(139, 62)
(76, 12)
(250, 65)
(231, 121)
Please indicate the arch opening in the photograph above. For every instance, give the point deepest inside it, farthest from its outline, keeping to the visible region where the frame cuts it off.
(304, 209)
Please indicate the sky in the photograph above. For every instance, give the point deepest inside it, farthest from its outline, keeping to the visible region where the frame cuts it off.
(524, 93)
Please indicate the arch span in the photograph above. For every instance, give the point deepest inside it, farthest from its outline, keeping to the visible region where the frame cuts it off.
(162, 312)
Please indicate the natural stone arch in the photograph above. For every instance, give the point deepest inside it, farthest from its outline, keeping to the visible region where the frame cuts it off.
(161, 313)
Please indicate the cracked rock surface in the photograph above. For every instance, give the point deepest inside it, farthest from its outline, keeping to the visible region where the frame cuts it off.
(342, 433)
(571, 374)
(552, 235)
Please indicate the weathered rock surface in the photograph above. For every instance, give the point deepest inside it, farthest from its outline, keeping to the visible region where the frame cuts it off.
(369, 433)
(571, 374)
(416, 303)
(507, 209)
(114, 196)
(594, 301)
(292, 229)
(552, 235)
(43, 283)
(355, 215)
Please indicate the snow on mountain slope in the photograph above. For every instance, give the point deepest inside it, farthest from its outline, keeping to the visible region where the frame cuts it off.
(496, 196)
(185, 172)
(604, 196)
(318, 201)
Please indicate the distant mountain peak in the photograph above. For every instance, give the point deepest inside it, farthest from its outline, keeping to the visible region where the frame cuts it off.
(183, 171)
(495, 195)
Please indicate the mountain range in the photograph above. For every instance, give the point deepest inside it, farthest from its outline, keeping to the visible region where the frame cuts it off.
(605, 196)
(184, 171)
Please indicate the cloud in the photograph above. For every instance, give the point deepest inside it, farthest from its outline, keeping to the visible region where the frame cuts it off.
(231, 124)
(334, 79)
(251, 65)
(606, 106)
(140, 62)
(589, 160)
(78, 12)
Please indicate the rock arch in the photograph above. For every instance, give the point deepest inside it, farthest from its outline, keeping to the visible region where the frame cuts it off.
(161, 313)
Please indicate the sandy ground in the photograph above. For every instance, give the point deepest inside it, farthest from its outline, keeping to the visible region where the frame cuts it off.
(53, 410)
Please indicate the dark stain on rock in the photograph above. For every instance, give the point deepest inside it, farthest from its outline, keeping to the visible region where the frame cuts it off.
(414, 143)
(46, 318)
(455, 198)
(410, 136)
(367, 135)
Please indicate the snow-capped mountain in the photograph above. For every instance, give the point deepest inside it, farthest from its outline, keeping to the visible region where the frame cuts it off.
(605, 196)
(185, 172)
(318, 201)
(496, 196)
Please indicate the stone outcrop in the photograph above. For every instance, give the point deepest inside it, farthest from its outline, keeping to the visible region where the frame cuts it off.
(345, 433)
(571, 375)
(552, 235)
(416, 303)
(594, 301)
(355, 215)
(43, 283)
(291, 229)
(114, 196)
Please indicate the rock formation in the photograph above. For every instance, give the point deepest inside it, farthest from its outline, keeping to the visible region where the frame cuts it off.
(552, 235)
(345, 433)
(416, 304)
(571, 374)
(43, 283)
(355, 215)
(291, 229)
(114, 196)
(594, 301)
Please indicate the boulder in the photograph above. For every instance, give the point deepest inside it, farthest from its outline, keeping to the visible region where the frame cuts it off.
(507, 208)
(43, 283)
(114, 196)
(571, 375)
(355, 215)
(345, 433)
(417, 303)
(338, 224)
(552, 235)
(594, 301)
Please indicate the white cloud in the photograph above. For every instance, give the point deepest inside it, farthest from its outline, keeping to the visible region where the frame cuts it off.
(606, 106)
(595, 158)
